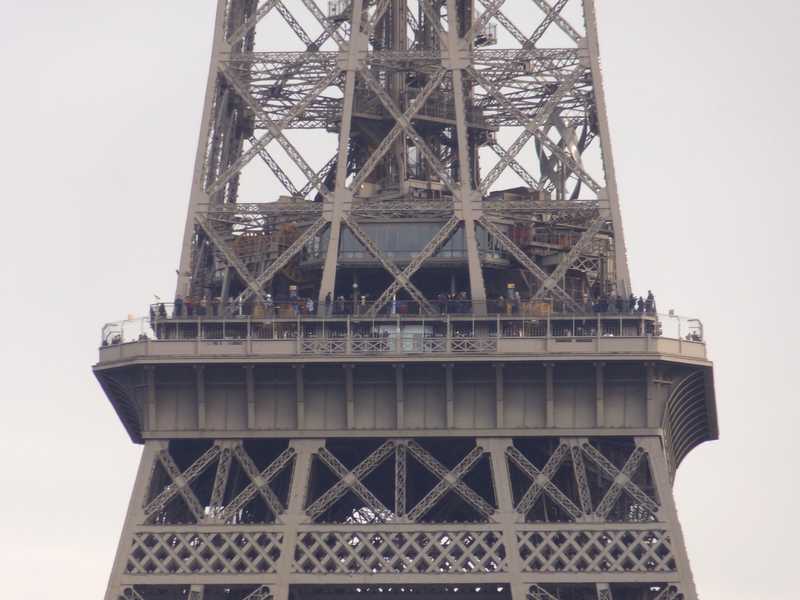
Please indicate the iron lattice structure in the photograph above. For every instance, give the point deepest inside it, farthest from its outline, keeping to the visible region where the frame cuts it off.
(425, 117)
(402, 431)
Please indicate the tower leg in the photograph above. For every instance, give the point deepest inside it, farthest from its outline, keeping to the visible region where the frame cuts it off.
(669, 512)
(134, 516)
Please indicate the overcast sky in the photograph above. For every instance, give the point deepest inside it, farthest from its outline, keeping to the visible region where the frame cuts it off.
(100, 113)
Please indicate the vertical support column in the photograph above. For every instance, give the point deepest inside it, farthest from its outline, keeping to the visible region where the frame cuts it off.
(350, 396)
(134, 517)
(506, 516)
(300, 396)
(604, 592)
(400, 395)
(196, 592)
(499, 394)
(599, 382)
(198, 194)
(150, 412)
(295, 513)
(342, 196)
(550, 401)
(250, 388)
(668, 512)
(653, 416)
(592, 47)
(449, 395)
(468, 207)
(200, 390)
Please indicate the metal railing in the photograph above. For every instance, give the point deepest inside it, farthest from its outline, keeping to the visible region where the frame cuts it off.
(305, 308)
(398, 334)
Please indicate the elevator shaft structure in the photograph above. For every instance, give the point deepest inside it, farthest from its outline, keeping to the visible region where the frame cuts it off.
(404, 359)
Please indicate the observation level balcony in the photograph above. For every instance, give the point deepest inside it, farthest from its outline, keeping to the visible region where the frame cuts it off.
(459, 333)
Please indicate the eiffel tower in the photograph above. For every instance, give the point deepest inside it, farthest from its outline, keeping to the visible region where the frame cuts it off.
(404, 360)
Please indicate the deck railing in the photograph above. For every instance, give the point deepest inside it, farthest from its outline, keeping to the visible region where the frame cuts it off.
(312, 335)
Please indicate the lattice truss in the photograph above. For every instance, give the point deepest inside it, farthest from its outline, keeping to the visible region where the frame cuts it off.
(600, 591)
(201, 482)
(195, 592)
(570, 481)
(425, 119)
(404, 507)
(401, 481)
(604, 591)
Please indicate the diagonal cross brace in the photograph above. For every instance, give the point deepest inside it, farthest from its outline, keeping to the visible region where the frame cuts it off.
(526, 262)
(539, 593)
(259, 482)
(549, 10)
(330, 29)
(276, 169)
(266, 276)
(492, 8)
(507, 23)
(180, 482)
(431, 248)
(448, 479)
(521, 171)
(373, 249)
(426, 151)
(248, 25)
(569, 259)
(230, 256)
(565, 26)
(539, 119)
(542, 481)
(294, 25)
(350, 480)
(275, 130)
(550, 17)
(621, 480)
(524, 121)
(398, 128)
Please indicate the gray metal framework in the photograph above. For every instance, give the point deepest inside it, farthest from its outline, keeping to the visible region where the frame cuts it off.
(375, 454)
(419, 104)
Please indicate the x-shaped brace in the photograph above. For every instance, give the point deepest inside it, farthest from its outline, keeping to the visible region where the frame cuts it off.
(539, 593)
(230, 256)
(670, 592)
(259, 482)
(527, 262)
(275, 266)
(351, 480)
(399, 127)
(181, 482)
(274, 130)
(569, 259)
(621, 480)
(395, 272)
(532, 125)
(549, 10)
(129, 593)
(400, 118)
(541, 481)
(438, 240)
(449, 479)
(525, 122)
(250, 23)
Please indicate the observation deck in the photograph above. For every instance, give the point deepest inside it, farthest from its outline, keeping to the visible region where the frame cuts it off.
(455, 373)
(455, 335)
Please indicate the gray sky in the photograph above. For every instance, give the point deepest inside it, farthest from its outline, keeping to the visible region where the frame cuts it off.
(100, 113)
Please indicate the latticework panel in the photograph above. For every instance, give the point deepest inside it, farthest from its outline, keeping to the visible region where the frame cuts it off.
(204, 553)
(622, 551)
(400, 552)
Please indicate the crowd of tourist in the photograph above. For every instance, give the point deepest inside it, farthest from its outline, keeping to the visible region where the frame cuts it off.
(457, 303)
